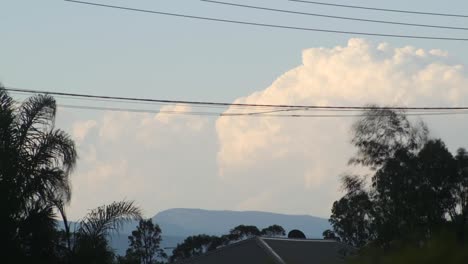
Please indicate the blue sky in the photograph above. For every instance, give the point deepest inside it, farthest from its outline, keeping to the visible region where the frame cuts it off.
(286, 166)
(56, 45)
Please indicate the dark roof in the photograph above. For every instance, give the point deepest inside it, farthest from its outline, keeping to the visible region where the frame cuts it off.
(265, 250)
(247, 251)
(298, 251)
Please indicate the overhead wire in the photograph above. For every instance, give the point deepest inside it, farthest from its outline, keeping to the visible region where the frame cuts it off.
(133, 110)
(111, 100)
(269, 25)
(13, 91)
(332, 16)
(211, 103)
(381, 9)
(274, 108)
(260, 114)
(135, 100)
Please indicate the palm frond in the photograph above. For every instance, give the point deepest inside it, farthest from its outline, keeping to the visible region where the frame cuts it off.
(54, 150)
(48, 167)
(108, 218)
(6, 102)
(47, 185)
(42, 216)
(6, 108)
(35, 117)
(7, 129)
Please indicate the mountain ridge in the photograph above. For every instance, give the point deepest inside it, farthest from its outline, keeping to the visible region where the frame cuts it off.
(230, 211)
(193, 221)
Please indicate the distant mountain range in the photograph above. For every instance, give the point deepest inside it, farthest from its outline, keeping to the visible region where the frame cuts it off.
(177, 224)
(186, 222)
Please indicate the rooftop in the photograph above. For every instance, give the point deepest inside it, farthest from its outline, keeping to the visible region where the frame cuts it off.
(269, 250)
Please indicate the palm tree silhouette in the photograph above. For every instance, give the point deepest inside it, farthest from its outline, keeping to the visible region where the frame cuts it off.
(90, 240)
(36, 160)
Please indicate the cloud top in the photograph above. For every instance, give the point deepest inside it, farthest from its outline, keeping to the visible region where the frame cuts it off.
(285, 165)
(310, 153)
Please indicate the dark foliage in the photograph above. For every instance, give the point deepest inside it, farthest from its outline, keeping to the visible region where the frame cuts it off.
(90, 243)
(35, 163)
(330, 235)
(242, 232)
(442, 247)
(417, 187)
(381, 133)
(145, 243)
(92, 250)
(273, 231)
(197, 245)
(296, 234)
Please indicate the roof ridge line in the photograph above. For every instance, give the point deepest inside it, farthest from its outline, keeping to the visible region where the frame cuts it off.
(276, 258)
(234, 244)
(301, 240)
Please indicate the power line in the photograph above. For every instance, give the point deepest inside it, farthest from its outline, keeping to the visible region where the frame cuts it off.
(110, 100)
(22, 92)
(145, 100)
(355, 115)
(245, 105)
(257, 114)
(332, 16)
(381, 9)
(234, 107)
(133, 110)
(270, 25)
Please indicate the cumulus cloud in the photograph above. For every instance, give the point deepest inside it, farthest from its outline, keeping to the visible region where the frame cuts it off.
(81, 129)
(304, 155)
(153, 159)
(287, 165)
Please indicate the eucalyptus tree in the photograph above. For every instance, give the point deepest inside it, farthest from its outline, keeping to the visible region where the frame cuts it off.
(145, 243)
(415, 189)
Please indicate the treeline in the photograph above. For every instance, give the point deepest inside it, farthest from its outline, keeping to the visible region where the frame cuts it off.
(146, 239)
(200, 244)
(412, 204)
(145, 243)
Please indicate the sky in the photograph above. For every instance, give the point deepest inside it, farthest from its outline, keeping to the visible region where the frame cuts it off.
(234, 163)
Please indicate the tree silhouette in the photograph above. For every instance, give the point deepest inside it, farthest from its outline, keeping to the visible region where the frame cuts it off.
(460, 193)
(194, 246)
(145, 243)
(200, 244)
(242, 232)
(351, 214)
(381, 133)
(330, 235)
(36, 160)
(273, 231)
(416, 188)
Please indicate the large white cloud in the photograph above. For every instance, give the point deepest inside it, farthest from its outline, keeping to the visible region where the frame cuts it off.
(303, 157)
(158, 160)
(288, 165)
